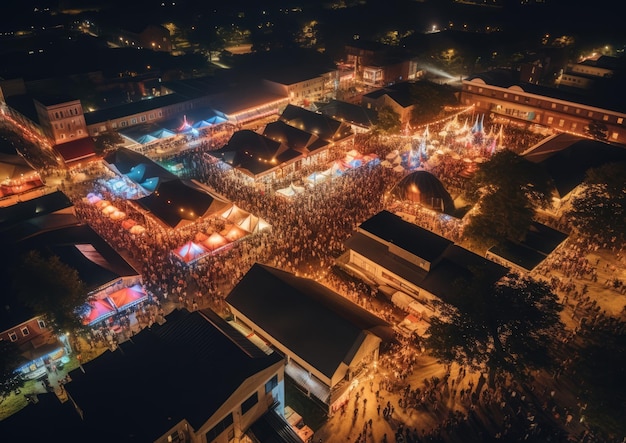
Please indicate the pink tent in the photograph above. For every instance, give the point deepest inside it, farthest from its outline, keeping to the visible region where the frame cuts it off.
(99, 310)
(234, 233)
(190, 252)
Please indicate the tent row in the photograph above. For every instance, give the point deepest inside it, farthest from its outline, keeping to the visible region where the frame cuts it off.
(111, 211)
(353, 159)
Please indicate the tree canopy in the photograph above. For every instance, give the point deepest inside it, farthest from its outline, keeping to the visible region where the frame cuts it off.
(507, 326)
(10, 359)
(430, 100)
(509, 189)
(599, 210)
(51, 288)
(388, 120)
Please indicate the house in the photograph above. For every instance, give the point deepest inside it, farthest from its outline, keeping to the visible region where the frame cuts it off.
(193, 378)
(326, 339)
(390, 251)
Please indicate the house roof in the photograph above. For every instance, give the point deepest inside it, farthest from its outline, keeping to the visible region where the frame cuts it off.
(567, 158)
(349, 112)
(272, 428)
(312, 321)
(36, 207)
(126, 110)
(76, 150)
(408, 236)
(254, 153)
(323, 126)
(298, 139)
(139, 392)
(399, 92)
(175, 202)
(125, 161)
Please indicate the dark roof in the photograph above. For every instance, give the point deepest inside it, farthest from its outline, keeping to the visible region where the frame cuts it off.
(196, 87)
(125, 161)
(449, 274)
(293, 74)
(24, 104)
(272, 428)
(543, 238)
(254, 153)
(349, 112)
(244, 98)
(36, 207)
(140, 391)
(51, 100)
(76, 150)
(176, 201)
(566, 158)
(424, 188)
(456, 269)
(114, 112)
(398, 92)
(519, 254)
(323, 126)
(81, 248)
(298, 139)
(312, 321)
(412, 238)
(379, 253)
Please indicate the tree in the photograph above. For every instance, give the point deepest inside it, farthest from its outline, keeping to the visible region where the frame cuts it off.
(599, 209)
(597, 130)
(51, 288)
(388, 120)
(10, 359)
(429, 99)
(507, 326)
(107, 141)
(510, 189)
(599, 371)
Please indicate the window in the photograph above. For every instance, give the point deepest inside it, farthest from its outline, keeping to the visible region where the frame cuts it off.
(577, 111)
(123, 123)
(550, 119)
(271, 384)
(41, 323)
(143, 118)
(216, 430)
(249, 402)
(151, 116)
(12, 336)
(565, 108)
(114, 125)
(480, 90)
(506, 95)
(589, 114)
(517, 98)
(133, 121)
(25, 331)
(605, 118)
(574, 125)
(553, 105)
(561, 122)
(614, 135)
(160, 114)
(620, 120)
(80, 131)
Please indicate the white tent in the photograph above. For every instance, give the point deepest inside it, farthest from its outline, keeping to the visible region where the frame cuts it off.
(235, 214)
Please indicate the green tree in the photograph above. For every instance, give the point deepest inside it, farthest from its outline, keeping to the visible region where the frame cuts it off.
(388, 120)
(597, 130)
(51, 288)
(430, 100)
(599, 371)
(10, 359)
(503, 327)
(509, 189)
(599, 209)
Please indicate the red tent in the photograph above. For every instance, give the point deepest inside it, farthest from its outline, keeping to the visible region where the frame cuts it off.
(215, 242)
(127, 297)
(99, 310)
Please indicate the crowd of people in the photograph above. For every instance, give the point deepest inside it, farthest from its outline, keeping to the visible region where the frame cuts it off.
(307, 235)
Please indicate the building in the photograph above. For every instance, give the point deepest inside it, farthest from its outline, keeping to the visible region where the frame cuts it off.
(392, 252)
(326, 339)
(360, 118)
(191, 379)
(499, 94)
(377, 65)
(398, 97)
